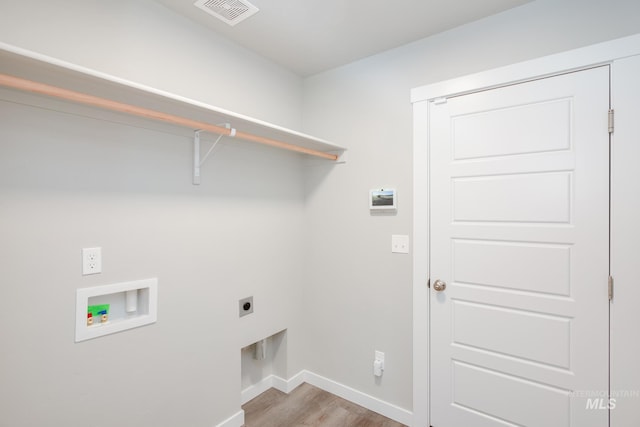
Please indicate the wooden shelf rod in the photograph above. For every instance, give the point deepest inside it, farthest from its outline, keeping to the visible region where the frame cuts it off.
(94, 101)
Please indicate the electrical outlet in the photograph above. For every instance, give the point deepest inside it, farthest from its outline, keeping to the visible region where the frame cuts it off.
(91, 261)
(246, 306)
(378, 363)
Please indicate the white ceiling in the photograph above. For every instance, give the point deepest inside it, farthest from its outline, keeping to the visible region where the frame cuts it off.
(310, 36)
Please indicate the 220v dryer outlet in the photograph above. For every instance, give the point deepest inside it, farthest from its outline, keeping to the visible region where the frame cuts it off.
(246, 306)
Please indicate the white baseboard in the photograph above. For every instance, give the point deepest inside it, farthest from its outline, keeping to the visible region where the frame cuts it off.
(285, 386)
(288, 386)
(257, 389)
(236, 420)
(372, 403)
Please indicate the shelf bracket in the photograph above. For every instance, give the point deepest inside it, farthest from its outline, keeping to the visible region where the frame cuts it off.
(199, 160)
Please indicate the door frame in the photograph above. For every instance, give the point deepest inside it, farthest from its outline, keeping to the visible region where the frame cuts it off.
(574, 60)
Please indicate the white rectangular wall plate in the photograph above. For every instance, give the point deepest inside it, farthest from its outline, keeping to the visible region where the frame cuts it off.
(400, 244)
(91, 261)
(119, 319)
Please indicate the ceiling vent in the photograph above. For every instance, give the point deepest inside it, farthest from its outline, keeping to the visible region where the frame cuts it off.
(229, 11)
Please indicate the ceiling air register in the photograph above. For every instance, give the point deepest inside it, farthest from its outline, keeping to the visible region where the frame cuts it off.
(229, 11)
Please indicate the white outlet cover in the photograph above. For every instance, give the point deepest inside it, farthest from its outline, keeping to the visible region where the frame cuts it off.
(91, 261)
(400, 244)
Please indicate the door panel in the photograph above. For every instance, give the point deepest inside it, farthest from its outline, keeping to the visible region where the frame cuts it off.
(519, 219)
(531, 267)
(503, 401)
(509, 131)
(530, 197)
(498, 330)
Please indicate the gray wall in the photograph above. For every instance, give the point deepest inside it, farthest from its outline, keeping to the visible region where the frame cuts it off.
(358, 293)
(82, 178)
(69, 182)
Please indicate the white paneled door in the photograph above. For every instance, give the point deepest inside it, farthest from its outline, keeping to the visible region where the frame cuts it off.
(519, 220)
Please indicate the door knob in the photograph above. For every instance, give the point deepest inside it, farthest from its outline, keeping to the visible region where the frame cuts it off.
(439, 285)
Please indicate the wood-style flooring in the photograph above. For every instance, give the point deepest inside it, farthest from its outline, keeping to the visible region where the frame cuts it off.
(309, 406)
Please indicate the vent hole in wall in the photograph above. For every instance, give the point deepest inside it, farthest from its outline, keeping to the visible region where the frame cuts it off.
(229, 11)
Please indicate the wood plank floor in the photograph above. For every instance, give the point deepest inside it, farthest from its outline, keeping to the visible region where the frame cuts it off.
(309, 406)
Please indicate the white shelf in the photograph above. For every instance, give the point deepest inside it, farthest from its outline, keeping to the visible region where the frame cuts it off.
(40, 68)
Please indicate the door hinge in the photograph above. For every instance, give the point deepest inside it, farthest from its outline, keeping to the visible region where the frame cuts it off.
(611, 113)
(610, 287)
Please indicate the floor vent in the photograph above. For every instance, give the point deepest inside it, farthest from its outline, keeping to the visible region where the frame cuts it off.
(229, 11)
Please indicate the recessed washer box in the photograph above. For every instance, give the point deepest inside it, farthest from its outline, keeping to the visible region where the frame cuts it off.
(128, 305)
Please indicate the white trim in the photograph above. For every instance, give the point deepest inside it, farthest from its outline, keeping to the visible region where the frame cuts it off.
(372, 403)
(625, 206)
(287, 386)
(236, 420)
(420, 264)
(602, 53)
(257, 389)
(272, 381)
